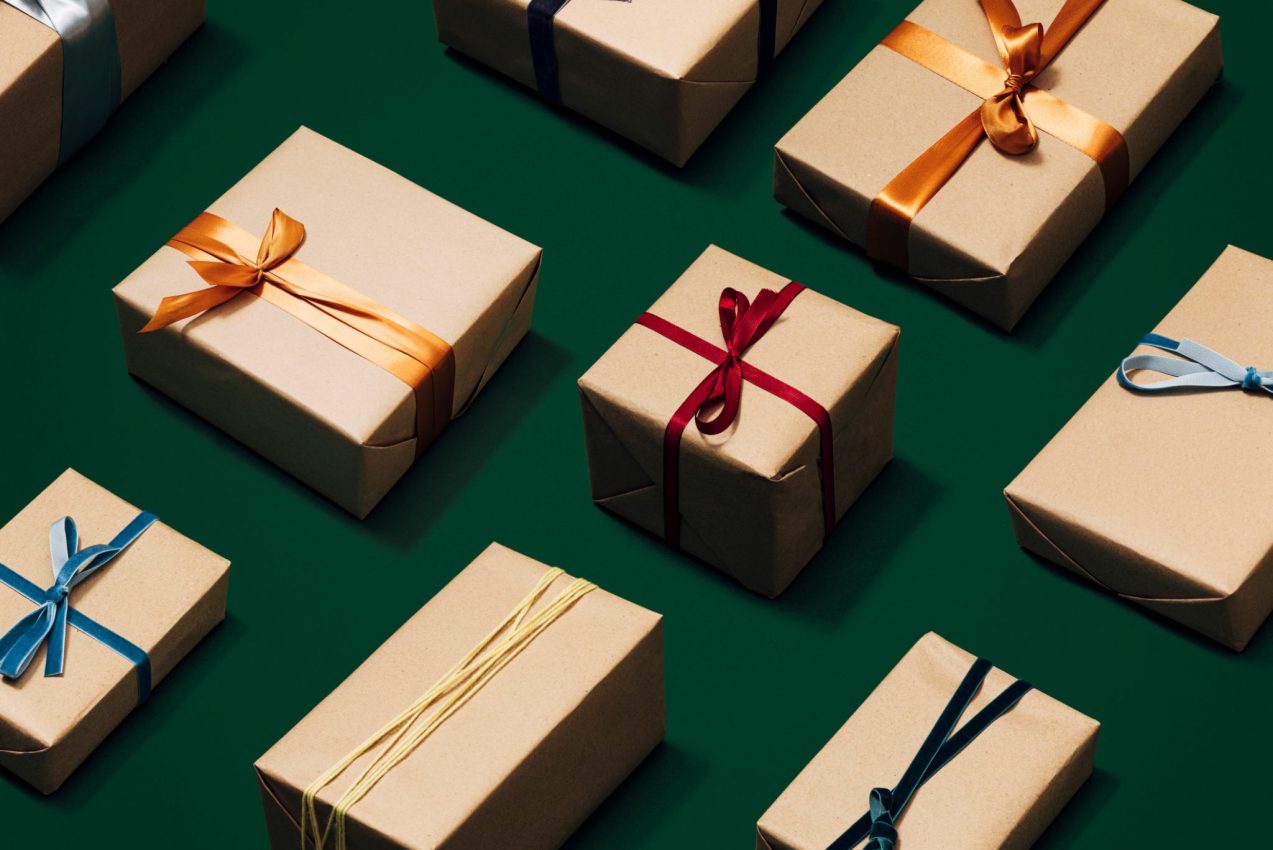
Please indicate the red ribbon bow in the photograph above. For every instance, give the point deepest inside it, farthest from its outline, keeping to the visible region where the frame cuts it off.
(742, 324)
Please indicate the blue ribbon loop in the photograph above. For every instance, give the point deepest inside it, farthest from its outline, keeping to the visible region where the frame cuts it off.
(90, 64)
(940, 747)
(53, 613)
(543, 48)
(1195, 368)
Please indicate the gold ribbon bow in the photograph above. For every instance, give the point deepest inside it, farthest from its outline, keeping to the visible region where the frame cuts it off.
(1011, 114)
(218, 251)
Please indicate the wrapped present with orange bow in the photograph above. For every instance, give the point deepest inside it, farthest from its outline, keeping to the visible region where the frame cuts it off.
(65, 65)
(334, 324)
(740, 418)
(980, 142)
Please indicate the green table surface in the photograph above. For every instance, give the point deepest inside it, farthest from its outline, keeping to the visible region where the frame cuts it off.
(754, 687)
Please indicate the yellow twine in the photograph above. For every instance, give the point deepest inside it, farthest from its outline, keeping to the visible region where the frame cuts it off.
(449, 695)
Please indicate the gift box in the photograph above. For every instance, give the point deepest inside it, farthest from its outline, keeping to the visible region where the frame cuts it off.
(98, 602)
(388, 311)
(500, 715)
(741, 417)
(975, 163)
(663, 73)
(1159, 492)
(63, 72)
(947, 753)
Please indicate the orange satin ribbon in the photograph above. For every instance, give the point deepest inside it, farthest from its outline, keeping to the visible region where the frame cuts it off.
(1010, 116)
(219, 250)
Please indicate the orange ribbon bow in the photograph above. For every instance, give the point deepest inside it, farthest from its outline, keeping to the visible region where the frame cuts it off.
(219, 249)
(1012, 113)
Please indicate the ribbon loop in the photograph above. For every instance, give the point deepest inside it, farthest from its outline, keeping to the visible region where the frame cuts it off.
(883, 834)
(1196, 367)
(48, 622)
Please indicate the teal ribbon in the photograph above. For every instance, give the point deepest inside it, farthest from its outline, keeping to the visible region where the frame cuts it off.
(1195, 368)
(90, 67)
(944, 742)
(48, 622)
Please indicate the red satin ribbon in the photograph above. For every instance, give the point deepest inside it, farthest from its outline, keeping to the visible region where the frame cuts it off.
(742, 324)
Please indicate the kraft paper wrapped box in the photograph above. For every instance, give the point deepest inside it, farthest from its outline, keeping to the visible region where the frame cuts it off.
(159, 596)
(342, 419)
(1164, 499)
(32, 59)
(528, 751)
(758, 500)
(994, 235)
(663, 73)
(999, 793)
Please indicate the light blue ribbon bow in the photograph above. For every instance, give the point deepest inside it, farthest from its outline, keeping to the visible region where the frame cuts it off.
(90, 65)
(49, 620)
(1201, 368)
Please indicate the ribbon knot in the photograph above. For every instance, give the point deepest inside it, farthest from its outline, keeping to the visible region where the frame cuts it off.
(1196, 367)
(742, 324)
(883, 833)
(1004, 117)
(48, 621)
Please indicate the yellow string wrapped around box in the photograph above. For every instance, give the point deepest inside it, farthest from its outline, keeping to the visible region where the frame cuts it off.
(400, 737)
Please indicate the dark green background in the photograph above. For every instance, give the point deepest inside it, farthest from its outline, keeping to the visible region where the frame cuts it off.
(754, 687)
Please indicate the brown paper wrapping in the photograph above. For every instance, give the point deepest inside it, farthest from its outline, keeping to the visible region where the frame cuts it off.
(663, 73)
(750, 499)
(998, 232)
(163, 594)
(1165, 499)
(148, 32)
(1000, 793)
(524, 762)
(334, 420)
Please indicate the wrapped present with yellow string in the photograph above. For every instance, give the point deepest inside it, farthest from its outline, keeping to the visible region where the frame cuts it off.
(978, 145)
(500, 715)
(329, 314)
(99, 601)
(65, 66)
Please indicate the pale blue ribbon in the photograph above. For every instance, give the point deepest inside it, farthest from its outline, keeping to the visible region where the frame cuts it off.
(1197, 367)
(90, 68)
(49, 621)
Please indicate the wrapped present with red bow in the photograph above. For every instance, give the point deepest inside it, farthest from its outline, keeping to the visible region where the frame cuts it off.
(334, 324)
(977, 146)
(740, 418)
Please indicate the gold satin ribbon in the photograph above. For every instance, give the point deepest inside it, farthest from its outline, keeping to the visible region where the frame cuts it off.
(1010, 116)
(218, 251)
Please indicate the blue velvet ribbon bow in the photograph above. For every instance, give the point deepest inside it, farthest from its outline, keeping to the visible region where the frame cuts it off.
(940, 747)
(49, 620)
(1196, 368)
(543, 48)
(90, 64)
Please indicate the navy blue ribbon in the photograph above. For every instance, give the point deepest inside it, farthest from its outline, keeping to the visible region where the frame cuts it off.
(49, 620)
(940, 747)
(1195, 367)
(543, 48)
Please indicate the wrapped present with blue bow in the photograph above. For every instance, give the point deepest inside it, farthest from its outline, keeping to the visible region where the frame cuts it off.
(663, 73)
(947, 753)
(98, 602)
(65, 65)
(1160, 488)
